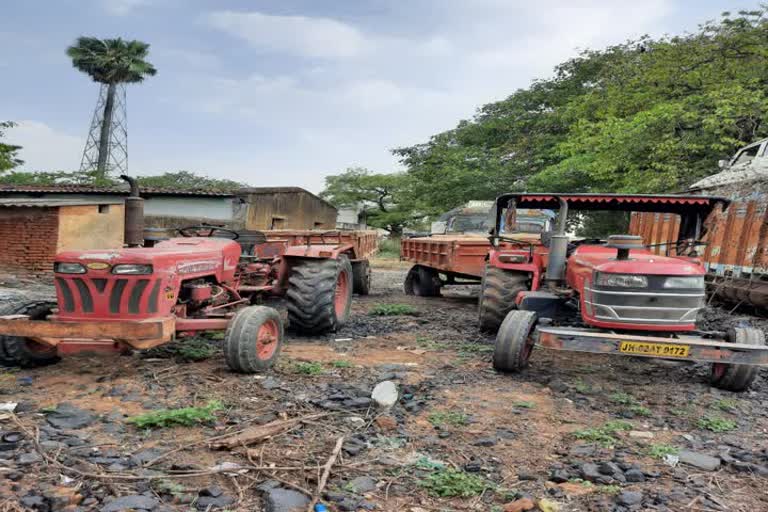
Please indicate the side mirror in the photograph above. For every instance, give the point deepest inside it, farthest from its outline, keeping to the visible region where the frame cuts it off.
(722, 164)
(439, 227)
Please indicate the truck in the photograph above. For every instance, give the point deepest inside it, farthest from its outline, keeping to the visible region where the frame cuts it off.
(206, 278)
(456, 250)
(734, 249)
(615, 295)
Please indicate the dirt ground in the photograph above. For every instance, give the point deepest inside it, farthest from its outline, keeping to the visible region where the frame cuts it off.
(574, 432)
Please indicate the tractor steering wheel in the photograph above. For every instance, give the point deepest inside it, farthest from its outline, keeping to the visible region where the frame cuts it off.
(207, 231)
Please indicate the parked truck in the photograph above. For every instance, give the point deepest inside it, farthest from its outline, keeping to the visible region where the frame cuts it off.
(734, 250)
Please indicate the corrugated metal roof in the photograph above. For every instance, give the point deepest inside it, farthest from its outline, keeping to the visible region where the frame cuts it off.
(51, 203)
(89, 189)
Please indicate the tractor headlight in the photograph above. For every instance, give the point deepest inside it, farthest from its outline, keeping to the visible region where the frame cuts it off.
(513, 258)
(132, 269)
(684, 282)
(621, 280)
(68, 268)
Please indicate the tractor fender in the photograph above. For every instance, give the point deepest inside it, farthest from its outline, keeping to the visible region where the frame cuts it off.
(327, 251)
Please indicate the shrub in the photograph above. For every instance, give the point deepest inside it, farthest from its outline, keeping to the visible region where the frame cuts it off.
(392, 310)
(186, 416)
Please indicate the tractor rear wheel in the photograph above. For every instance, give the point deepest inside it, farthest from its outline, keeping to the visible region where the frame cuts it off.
(361, 277)
(253, 339)
(422, 281)
(498, 291)
(319, 295)
(24, 352)
(737, 377)
(514, 341)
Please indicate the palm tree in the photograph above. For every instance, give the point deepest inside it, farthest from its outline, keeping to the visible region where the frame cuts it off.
(110, 62)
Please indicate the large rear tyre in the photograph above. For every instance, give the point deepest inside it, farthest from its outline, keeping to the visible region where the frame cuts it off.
(422, 281)
(319, 295)
(253, 339)
(23, 352)
(737, 377)
(498, 291)
(514, 341)
(361, 277)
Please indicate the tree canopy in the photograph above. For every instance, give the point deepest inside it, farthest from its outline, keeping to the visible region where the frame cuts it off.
(8, 152)
(111, 61)
(645, 116)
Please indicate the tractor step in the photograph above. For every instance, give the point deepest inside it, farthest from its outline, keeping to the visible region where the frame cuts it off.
(684, 348)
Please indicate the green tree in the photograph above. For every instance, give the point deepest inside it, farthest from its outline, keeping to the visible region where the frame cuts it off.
(185, 180)
(384, 198)
(8, 152)
(110, 62)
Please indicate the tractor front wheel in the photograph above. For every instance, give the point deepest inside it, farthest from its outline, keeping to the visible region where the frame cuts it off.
(737, 377)
(514, 341)
(253, 339)
(24, 352)
(319, 295)
(498, 291)
(422, 281)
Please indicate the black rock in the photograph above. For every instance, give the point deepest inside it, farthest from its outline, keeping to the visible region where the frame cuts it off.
(629, 498)
(485, 441)
(133, 502)
(362, 484)
(473, 467)
(559, 476)
(357, 403)
(334, 496)
(589, 472)
(213, 490)
(29, 458)
(634, 475)
(285, 500)
(210, 502)
(608, 468)
(144, 456)
(558, 386)
(525, 475)
(266, 485)
(67, 416)
(33, 502)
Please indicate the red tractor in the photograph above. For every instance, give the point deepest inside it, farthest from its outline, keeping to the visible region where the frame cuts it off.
(204, 280)
(610, 296)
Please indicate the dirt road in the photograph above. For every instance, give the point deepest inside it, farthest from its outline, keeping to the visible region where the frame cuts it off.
(572, 433)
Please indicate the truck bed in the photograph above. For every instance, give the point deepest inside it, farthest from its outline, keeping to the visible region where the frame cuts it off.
(457, 254)
(364, 243)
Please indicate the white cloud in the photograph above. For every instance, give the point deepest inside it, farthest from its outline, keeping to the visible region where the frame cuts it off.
(45, 149)
(294, 35)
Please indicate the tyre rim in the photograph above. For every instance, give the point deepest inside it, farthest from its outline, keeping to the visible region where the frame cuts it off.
(718, 370)
(527, 349)
(341, 294)
(266, 339)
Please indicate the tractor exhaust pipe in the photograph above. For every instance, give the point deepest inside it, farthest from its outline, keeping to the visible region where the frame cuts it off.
(134, 214)
(558, 248)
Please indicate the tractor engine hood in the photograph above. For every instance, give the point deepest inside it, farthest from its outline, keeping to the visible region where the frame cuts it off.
(603, 259)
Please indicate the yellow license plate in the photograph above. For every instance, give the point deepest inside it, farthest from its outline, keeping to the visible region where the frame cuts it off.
(654, 349)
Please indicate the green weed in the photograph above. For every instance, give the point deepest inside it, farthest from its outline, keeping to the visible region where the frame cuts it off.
(726, 404)
(195, 349)
(392, 310)
(716, 424)
(215, 335)
(306, 368)
(452, 418)
(623, 399)
(524, 404)
(449, 482)
(341, 364)
(604, 434)
(659, 451)
(610, 490)
(389, 249)
(186, 416)
(640, 410)
(582, 387)
(168, 487)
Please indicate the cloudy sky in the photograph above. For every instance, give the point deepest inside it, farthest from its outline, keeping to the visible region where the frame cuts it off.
(285, 92)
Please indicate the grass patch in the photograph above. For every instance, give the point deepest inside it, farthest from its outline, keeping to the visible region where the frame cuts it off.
(430, 344)
(716, 424)
(639, 410)
(610, 490)
(306, 368)
(186, 416)
(195, 349)
(682, 412)
(604, 434)
(389, 249)
(524, 404)
(452, 418)
(450, 483)
(582, 387)
(659, 451)
(392, 310)
(726, 404)
(475, 348)
(341, 364)
(623, 399)
(215, 335)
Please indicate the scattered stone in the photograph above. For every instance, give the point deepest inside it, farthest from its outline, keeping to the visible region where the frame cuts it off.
(134, 502)
(634, 475)
(355, 421)
(211, 502)
(641, 434)
(67, 416)
(214, 491)
(524, 475)
(285, 500)
(590, 472)
(29, 458)
(473, 467)
(629, 498)
(270, 383)
(558, 386)
(385, 394)
(485, 441)
(357, 403)
(559, 476)
(24, 381)
(144, 456)
(583, 450)
(698, 460)
(33, 502)
(362, 484)
(520, 505)
(608, 468)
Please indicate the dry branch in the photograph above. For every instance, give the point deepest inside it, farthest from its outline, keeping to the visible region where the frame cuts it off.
(326, 473)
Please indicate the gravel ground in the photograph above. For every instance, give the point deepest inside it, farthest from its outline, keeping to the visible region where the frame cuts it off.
(574, 432)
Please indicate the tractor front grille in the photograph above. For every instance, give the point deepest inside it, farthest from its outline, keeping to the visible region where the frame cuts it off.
(107, 297)
(644, 306)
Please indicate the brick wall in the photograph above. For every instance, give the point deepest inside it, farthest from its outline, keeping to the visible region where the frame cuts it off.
(28, 237)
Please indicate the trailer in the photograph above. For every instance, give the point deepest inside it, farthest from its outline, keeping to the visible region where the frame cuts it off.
(734, 248)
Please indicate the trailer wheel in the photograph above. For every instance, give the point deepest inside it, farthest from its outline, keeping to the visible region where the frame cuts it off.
(361, 277)
(514, 342)
(23, 352)
(253, 339)
(319, 295)
(498, 291)
(737, 377)
(422, 281)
